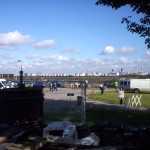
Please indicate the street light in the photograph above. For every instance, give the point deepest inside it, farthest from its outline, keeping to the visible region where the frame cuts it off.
(21, 76)
(21, 64)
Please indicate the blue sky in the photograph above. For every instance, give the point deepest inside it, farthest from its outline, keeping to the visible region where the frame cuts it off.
(68, 36)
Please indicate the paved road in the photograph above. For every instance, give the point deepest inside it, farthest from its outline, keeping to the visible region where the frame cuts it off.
(59, 100)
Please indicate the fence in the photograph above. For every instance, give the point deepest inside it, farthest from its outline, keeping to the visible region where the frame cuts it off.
(69, 101)
(134, 100)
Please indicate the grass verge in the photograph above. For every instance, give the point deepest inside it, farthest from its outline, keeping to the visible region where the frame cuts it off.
(125, 117)
(94, 116)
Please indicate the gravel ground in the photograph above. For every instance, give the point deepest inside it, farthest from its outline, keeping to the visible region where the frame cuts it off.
(58, 100)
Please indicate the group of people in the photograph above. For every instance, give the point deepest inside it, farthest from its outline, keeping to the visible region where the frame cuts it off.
(53, 86)
(120, 91)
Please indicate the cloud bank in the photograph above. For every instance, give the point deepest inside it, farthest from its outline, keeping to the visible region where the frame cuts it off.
(45, 44)
(11, 40)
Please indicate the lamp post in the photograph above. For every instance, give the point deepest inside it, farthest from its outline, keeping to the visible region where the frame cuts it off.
(21, 75)
(21, 64)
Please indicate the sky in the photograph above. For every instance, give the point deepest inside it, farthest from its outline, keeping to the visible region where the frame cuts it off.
(68, 37)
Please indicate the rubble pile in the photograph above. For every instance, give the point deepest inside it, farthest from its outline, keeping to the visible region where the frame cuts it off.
(66, 135)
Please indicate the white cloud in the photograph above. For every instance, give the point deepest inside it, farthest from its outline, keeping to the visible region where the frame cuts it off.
(47, 63)
(147, 53)
(8, 56)
(126, 61)
(62, 64)
(11, 40)
(71, 50)
(45, 44)
(123, 60)
(108, 50)
(56, 58)
(62, 58)
(39, 64)
(126, 50)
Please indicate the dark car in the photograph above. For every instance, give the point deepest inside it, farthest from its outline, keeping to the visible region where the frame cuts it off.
(39, 85)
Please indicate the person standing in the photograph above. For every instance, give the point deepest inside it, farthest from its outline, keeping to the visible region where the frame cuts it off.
(101, 86)
(121, 95)
(50, 86)
(55, 86)
(116, 85)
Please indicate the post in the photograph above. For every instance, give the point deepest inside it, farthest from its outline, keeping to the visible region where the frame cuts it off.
(21, 85)
(21, 78)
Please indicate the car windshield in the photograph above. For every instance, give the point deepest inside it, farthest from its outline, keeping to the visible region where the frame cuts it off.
(4, 83)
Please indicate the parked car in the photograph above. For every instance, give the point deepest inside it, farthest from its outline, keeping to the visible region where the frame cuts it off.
(39, 85)
(3, 84)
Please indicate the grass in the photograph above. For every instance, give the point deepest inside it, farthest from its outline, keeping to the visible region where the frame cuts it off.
(135, 118)
(95, 116)
(112, 97)
(62, 116)
(123, 116)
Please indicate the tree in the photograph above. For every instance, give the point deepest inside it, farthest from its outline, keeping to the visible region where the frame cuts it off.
(139, 6)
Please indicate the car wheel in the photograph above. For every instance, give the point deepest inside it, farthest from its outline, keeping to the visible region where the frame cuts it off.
(136, 91)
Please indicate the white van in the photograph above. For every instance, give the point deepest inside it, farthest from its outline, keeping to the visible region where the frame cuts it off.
(3, 84)
(135, 85)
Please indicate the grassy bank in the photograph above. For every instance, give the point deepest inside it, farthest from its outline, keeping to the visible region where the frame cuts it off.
(112, 97)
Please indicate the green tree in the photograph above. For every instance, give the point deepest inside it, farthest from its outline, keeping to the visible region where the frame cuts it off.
(142, 26)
